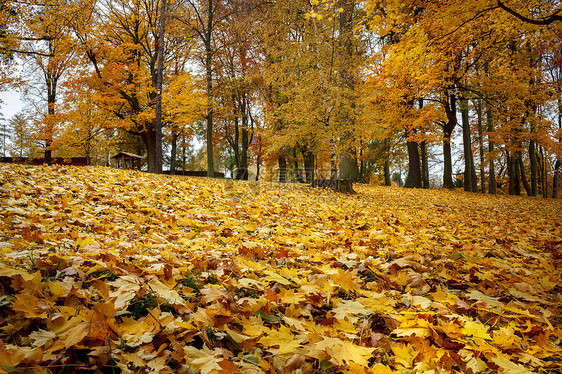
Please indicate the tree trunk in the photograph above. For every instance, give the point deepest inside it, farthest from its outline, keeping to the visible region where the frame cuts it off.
(534, 168)
(514, 176)
(448, 165)
(245, 141)
(424, 165)
(492, 188)
(174, 152)
(159, 74)
(148, 138)
(282, 169)
(544, 167)
(423, 154)
(556, 179)
(451, 111)
(469, 169)
(244, 155)
(298, 175)
(348, 168)
(51, 81)
(209, 90)
(309, 167)
(386, 150)
(523, 175)
(183, 155)
(413, 180)
(333, 160)
(481, 146)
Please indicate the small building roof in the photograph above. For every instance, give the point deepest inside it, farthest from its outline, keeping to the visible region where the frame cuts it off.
(127, 154)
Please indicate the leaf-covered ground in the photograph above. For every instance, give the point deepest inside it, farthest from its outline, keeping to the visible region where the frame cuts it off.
(120, 271)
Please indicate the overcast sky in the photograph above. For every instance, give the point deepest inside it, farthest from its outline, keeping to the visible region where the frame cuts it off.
(11, 103)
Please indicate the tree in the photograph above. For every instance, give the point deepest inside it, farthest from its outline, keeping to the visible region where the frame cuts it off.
(50, 48)
(122, 45)
(22, 142)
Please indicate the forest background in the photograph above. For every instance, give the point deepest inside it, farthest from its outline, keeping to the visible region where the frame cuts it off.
(359, 90)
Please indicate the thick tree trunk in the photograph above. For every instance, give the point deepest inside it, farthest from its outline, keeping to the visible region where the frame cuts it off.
(492, 188)
(523, 175)
(282, 169)
(451, 112)
(149, 140)
(309, 167)
(448, 165)
(348, 168)
(514, 176)
(298, 175)
(413, 180)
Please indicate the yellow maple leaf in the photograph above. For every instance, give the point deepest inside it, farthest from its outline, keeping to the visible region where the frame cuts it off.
(474, 328)
(509, 366)
(404, 355)
(343, 352)
(283, 338)
(289, 296)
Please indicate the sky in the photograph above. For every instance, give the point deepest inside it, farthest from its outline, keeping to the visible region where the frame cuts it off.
(10, 104)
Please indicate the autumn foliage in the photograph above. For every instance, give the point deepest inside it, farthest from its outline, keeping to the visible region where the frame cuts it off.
(122, 271)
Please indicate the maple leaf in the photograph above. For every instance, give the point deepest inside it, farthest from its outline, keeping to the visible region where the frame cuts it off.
(283, 338)
(509, 366)
(343, 352)
(350, 309)
(127, 288)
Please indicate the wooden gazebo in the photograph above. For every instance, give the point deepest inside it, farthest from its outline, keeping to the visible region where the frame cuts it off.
(125, 160)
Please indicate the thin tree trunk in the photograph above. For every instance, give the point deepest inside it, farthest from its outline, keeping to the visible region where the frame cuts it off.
(555, 179)
(492, 188)
(333, 160)
(387, 176)
(481, 146)
(245, 141)
(183, 155)
(159, 74)
(534, 168)
(470, 183)
(174, 152)
(209, 89)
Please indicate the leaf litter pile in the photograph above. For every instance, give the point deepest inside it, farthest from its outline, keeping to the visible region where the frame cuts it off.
(112, 271)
